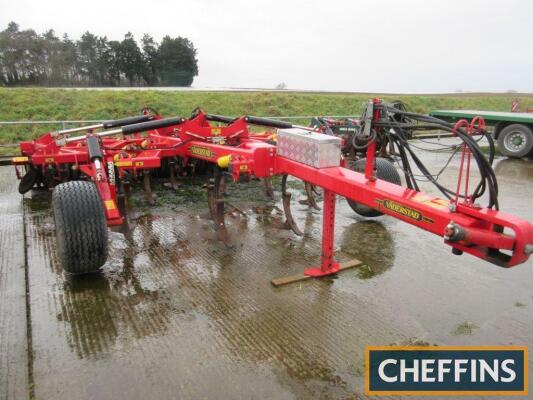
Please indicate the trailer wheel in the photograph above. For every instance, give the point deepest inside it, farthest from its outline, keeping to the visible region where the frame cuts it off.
(384, 170)
(515, 141)
(81, 228)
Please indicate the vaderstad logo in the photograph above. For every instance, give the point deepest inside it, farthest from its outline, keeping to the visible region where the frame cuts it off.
(403, 210)
(446, 370)
(201, 151)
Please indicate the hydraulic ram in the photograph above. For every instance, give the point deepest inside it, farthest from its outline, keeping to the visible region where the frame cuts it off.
(129, 129)
(106, 125)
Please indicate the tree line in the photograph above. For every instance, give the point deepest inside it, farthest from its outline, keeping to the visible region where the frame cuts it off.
(29, 58)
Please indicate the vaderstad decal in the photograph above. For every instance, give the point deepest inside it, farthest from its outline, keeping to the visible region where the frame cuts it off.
(400, 209)
(201, 151)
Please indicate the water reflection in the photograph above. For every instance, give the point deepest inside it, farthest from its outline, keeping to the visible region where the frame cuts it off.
(162, 272)
(371, 242)
(519, 169)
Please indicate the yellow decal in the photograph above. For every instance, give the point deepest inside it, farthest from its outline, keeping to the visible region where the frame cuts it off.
(110, 205)
(201, 151)
(139, 163)
(123, 163)
(19, 160)
(404, 210)
(244, 167)
(216, 131)
(49, 160)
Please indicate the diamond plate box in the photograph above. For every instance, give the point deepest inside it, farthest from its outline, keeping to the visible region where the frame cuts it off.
(315, 149)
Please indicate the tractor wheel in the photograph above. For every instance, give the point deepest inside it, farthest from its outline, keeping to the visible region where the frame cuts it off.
(515, 141)
(81, 228)
(384, 170)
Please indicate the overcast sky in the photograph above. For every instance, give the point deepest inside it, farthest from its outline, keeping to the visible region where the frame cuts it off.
(370, 45)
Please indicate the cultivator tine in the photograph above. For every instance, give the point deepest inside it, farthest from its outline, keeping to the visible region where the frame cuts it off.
(150, 198)
(122, 200)
(215, 201)
(310, 191)
(268, 187)
(172, 172)
(286, 197)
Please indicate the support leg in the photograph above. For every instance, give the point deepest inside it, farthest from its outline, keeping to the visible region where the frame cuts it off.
(328, 265)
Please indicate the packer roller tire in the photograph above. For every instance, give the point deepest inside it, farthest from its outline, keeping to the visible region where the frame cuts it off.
(384, 170)
(81, 228)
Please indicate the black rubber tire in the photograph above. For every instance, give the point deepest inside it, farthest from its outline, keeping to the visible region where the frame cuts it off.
(81, 228)
(525, 134)
(384, 170)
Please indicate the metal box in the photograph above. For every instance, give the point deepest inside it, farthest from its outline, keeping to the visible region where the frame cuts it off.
(315, 149)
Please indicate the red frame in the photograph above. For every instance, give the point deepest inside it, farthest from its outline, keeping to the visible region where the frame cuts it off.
(485, 230)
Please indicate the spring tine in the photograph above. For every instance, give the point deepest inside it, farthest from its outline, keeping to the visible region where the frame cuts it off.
(268, 187)
(311, 196)
(211, 199)
(215, 198)
(286, 197)
(148, 187)
(172, 171)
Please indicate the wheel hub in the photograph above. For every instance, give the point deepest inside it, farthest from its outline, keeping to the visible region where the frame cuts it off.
(515, 141)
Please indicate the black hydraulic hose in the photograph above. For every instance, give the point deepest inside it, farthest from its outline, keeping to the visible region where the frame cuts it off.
(272, 123)
(147, 126)
(127, 121)
(220, 118)
(488, 177)
(447, 192)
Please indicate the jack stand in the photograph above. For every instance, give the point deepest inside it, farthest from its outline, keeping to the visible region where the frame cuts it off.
(328, 265)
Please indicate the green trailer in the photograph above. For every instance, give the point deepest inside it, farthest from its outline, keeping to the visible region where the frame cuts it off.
(512, 130)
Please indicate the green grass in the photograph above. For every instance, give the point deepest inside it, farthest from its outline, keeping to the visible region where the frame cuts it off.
(61, 104)
(465, 328)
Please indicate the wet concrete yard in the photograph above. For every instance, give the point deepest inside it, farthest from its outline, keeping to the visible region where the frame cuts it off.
(178, 315)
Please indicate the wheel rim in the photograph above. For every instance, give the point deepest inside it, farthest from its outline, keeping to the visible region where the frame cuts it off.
(515, 141)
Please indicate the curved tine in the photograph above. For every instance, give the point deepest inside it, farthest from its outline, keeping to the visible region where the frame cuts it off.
(150, 198)
(172, 170)
(268, 187)
(220, 187)
(215, 198)
(286, 197)
(214, 201)
(311, 196)
(211, 199)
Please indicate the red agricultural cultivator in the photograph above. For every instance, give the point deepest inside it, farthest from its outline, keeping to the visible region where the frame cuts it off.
(90, 173)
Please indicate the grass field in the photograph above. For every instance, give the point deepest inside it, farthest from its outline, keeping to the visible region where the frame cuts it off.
(61, 104)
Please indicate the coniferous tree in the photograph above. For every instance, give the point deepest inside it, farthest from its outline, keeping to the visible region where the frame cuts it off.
(27, 58)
